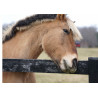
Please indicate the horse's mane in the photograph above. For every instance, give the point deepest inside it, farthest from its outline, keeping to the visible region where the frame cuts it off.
(36, 19)
(26, 23)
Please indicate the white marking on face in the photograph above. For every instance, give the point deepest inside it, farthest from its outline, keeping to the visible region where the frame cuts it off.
(69, 61)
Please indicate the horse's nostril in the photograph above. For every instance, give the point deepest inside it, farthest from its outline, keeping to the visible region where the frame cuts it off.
(74, 62)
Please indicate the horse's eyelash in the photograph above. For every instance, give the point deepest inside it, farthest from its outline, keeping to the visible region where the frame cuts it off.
(66, 31)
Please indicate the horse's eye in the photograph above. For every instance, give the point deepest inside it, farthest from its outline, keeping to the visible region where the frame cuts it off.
(66, 31)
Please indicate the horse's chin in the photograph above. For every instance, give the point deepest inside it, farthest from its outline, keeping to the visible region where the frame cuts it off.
(73, 70)
(67, 70)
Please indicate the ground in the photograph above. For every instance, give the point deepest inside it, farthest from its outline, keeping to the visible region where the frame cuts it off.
(83, 54)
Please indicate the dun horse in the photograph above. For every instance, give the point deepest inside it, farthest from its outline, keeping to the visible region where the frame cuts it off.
(53, 33)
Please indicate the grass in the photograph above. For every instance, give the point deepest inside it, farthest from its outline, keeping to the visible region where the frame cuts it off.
(59, 78)
(83, 54)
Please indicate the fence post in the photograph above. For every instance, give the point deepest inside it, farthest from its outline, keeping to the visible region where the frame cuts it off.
(93, 70)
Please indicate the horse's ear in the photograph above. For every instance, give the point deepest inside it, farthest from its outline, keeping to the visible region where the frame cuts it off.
(61, 17)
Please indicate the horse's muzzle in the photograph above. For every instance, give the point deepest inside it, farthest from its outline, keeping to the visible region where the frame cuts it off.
(69, 67)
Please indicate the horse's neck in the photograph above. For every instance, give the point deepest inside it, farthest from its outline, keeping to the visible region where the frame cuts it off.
(25, 45)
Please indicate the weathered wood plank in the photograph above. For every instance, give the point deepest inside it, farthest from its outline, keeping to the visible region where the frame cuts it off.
(43, 66)
(22, 65)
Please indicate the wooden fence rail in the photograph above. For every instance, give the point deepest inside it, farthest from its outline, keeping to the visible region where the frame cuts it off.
(89, 67)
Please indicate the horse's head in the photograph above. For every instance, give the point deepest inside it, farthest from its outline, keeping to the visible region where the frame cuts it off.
(59, 43)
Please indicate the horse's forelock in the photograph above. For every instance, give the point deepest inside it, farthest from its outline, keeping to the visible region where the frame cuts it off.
(76, 33)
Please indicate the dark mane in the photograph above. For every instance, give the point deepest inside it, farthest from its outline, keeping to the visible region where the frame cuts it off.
(26, 22)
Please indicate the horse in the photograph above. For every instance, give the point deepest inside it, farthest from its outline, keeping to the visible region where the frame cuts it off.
(26, 39)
